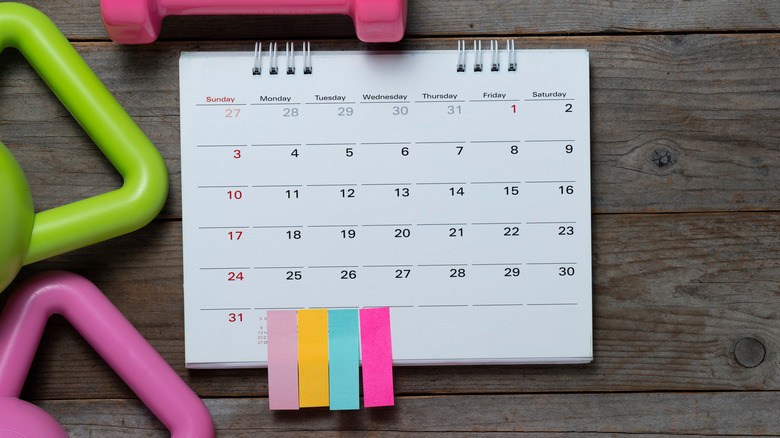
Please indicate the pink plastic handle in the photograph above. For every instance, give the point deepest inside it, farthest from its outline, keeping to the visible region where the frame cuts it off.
(139, 21)
(110, 334)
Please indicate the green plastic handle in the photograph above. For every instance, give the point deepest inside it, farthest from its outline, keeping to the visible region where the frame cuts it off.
(90, 220)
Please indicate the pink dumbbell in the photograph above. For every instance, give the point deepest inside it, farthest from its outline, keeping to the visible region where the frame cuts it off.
(113, 337)
(138, 21)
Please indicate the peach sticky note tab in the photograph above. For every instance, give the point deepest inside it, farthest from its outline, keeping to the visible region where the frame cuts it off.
(282, 359)
(377, 357)
(313, 358)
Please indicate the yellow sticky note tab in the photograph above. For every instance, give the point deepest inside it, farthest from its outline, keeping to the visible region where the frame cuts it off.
(313, 358)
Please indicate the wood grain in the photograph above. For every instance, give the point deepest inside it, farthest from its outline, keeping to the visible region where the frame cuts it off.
(81, 20)
(712, 102)
(672, 296)
(533, 415)
(686, 255)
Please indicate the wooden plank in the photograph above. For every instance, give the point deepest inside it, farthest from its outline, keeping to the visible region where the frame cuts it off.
(673, 294)
(80, 19)
(710, 101)
(534, 415)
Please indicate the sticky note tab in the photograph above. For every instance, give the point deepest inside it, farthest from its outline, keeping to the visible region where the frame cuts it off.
(313, 358)
(377, 357)
(344, 348)
(282, 331)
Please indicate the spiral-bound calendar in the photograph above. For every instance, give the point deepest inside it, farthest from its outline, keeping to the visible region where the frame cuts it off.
(452, 186)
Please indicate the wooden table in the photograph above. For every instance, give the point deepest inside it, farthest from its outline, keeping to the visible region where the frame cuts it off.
(686, 218)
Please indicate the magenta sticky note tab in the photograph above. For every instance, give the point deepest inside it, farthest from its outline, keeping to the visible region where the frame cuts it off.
(376, 357)
(282, 359)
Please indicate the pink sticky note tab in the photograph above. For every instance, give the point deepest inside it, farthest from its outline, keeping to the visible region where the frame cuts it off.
(282, 359)
(377, 357)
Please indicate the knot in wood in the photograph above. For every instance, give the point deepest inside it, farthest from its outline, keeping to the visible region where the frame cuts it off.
(750, 352)
(662, 157)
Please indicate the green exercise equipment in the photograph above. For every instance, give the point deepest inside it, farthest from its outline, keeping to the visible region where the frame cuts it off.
(26, 236)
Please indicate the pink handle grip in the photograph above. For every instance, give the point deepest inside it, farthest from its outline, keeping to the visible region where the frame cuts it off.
(110, 334)
(139, 21)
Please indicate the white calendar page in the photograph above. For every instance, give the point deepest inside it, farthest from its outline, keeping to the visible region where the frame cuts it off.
(461, 200)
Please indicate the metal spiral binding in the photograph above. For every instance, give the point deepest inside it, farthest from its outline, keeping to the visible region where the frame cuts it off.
(272, 56)
(258, 50)
(461, 56)
(478, 55)
(290, 51)
(307, 68)
(495, 56)
(512, 55)
(273, 59)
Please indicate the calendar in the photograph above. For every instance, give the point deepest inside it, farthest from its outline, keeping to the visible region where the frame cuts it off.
(452, 186)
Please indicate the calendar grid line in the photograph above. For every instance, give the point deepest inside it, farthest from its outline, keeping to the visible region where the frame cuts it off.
(386, 184)
(440, 142)
(439, 101)
(493, 141)
(495, 182)
(224, 268)
(441, 183)
(356, 225)
(550, 141)
(279, 308)
(332, 226)
(401, 183)
(496, 223)
(427, 265)
(220, 104)
(552, 263)
(497, 264)
(545, 100)
(442, 224)
(499, 305)
(553, 304)
(387, 225)
(226, 308)
(442, 305)
(220, 145)
(330, 103)
(384, 102)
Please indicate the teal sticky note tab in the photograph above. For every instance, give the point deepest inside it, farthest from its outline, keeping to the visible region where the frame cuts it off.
(344, 358)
